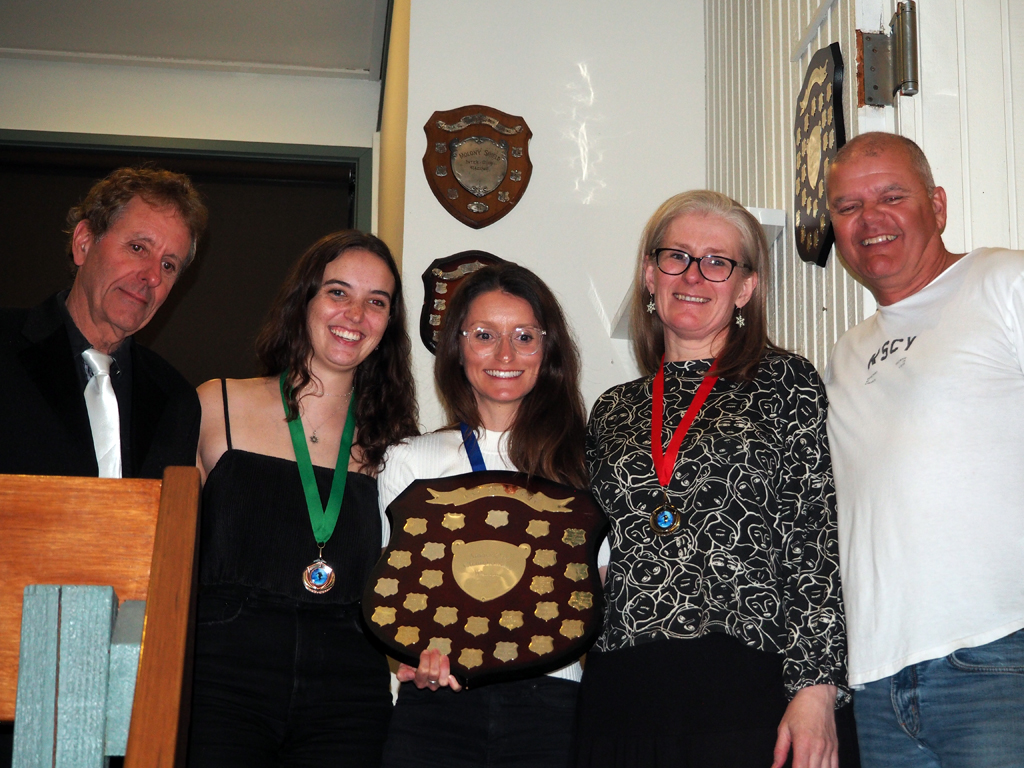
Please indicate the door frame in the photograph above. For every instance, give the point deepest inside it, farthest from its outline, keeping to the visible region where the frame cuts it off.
(361, 157)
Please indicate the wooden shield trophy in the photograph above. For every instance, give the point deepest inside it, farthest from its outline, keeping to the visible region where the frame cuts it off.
(477, 162)
(495, 569)
(440, 281)
(819, 133)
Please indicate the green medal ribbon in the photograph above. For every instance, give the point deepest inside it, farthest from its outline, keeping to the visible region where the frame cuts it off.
(323, 520)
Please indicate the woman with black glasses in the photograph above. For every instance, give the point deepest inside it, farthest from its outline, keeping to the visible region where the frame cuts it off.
(724, 641)
(507, 371)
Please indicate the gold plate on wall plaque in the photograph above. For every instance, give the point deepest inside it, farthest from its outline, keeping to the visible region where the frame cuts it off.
(501, 566)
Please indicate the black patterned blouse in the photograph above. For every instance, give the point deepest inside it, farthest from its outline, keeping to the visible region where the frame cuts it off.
(756, 556)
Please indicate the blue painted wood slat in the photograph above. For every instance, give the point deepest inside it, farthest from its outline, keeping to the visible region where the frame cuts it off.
(37, 678)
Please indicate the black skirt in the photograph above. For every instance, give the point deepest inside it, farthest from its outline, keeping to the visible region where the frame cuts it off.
(712, 701)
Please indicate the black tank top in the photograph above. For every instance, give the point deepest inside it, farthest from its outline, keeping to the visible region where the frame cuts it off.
(255, 528)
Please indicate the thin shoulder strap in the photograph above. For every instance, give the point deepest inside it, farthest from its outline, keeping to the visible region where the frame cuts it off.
(227, 420)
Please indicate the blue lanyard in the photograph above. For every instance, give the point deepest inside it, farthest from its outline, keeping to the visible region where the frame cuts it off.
(476, 459)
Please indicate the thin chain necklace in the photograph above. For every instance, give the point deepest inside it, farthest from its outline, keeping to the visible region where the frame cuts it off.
(312, 437)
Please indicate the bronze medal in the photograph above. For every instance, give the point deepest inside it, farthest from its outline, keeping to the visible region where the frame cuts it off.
(318, 577)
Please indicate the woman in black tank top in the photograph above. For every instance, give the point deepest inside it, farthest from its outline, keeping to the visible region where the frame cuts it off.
(290, 526)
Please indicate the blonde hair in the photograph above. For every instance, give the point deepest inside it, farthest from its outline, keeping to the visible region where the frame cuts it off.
(744, 346)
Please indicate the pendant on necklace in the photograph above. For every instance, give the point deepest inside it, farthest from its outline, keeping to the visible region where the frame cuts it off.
(313, 438)
(665, 519)
(318, 577)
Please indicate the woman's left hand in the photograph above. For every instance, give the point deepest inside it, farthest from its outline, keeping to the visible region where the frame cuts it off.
(809, 728)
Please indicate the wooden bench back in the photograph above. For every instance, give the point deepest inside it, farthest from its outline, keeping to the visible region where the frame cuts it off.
(138, 536)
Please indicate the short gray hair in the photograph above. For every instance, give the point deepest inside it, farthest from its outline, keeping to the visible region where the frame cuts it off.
(873, 143)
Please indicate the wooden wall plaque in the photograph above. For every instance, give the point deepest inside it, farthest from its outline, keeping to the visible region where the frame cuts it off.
(477, 162)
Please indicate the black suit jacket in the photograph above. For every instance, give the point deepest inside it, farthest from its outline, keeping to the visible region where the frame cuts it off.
(44, 427)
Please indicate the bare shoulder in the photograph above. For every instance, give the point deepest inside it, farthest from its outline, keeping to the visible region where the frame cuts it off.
(252, 402)
(212, 440)
(245, 404)
(237, 394)
(209, 392)
(257, 417)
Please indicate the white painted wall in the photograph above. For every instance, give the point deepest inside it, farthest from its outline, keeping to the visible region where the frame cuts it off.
(186, 104)
(969, 116)
(614, 95)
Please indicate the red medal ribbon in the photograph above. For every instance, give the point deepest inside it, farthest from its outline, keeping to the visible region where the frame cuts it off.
(665, 462)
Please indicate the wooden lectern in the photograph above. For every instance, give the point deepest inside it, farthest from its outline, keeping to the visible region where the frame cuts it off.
(138, 536)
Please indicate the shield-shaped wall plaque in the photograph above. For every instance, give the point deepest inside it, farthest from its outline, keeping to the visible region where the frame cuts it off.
(495, 569)
(477, 162)
(820, 133)
(440, 280)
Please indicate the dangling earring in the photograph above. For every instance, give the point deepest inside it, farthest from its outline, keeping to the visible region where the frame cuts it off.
(740, 320)
(650, 306)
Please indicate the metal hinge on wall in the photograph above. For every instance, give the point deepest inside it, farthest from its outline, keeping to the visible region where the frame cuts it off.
(890, 61)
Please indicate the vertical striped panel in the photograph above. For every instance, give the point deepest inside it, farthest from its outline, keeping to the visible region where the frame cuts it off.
(1008, 42)
(751, 91)
(1014, 31)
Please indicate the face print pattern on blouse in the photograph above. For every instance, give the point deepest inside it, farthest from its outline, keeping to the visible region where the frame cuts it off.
(754, 485)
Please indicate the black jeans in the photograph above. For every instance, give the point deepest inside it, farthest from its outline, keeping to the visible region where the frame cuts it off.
(504, 725)
(283, 683)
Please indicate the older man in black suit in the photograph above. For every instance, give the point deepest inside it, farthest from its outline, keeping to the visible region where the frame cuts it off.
(79, 396)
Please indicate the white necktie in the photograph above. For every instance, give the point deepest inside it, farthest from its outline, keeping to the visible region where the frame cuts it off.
(103, 415)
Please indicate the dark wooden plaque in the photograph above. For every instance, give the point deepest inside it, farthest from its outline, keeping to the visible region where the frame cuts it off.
(477, 162)
(819, 132)
(440, 280)
(495, 569)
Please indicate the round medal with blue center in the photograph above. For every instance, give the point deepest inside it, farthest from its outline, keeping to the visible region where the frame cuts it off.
(665, 520)
(318, 577)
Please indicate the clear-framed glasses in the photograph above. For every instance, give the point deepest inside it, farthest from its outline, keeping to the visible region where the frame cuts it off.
(525, 341)
(715, 269)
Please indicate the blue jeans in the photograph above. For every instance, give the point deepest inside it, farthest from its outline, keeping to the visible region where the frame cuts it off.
(962, 711)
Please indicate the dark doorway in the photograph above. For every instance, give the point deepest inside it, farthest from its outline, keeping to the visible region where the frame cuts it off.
(264, 213)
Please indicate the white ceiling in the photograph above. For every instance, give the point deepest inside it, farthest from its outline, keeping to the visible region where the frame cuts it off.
(326, 38)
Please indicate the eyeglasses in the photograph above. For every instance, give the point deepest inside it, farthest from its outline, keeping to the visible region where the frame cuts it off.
(715, 269)
(525, 341)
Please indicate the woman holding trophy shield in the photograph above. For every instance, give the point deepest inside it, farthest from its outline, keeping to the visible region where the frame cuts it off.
(507, 371)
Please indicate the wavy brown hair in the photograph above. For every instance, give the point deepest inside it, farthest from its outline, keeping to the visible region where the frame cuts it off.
(744, 347)
(384, 390)
(547, 435)
(106, 201)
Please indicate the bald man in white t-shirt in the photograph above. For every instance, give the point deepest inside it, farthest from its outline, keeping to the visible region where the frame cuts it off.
(926, 427)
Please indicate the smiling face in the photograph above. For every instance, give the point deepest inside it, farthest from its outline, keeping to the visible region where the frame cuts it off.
(125, 275)
(501, 377)
(695, 312)
(349, 314)
(888, 227)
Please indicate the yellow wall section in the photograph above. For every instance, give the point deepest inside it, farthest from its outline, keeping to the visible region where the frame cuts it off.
(391, 195)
